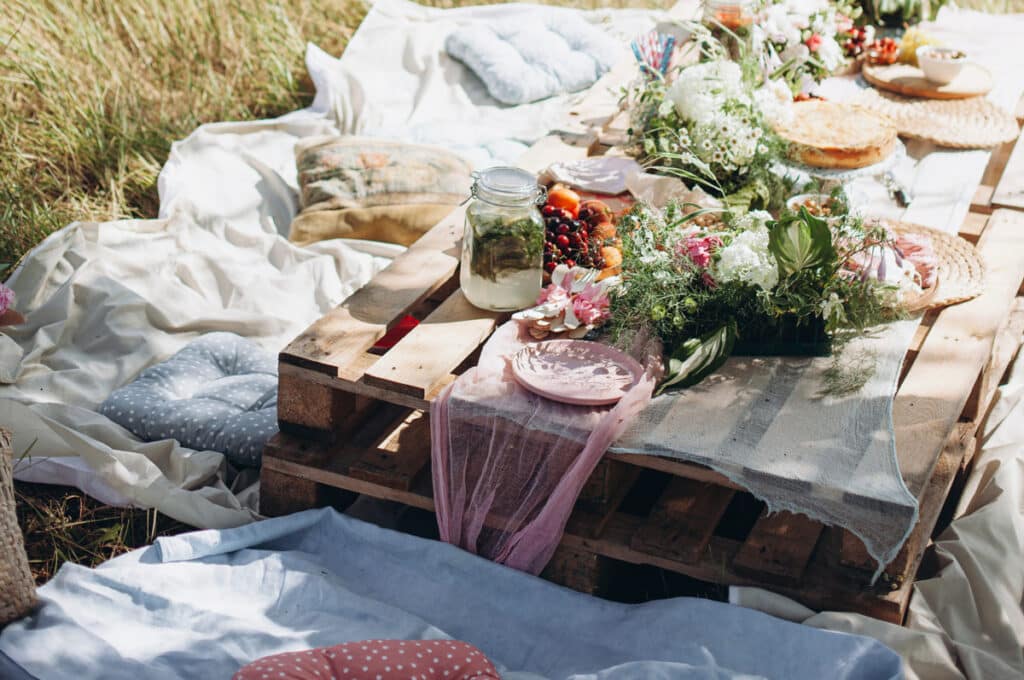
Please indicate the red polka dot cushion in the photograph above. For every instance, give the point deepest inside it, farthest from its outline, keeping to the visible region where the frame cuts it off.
(376, 660)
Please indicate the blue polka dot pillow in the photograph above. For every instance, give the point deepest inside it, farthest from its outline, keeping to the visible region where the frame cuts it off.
(219, 393)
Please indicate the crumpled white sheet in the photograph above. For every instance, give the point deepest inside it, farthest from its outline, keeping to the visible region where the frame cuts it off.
(104, 301)
(967, 621)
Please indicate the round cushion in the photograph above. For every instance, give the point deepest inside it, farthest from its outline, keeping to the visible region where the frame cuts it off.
(219, 393)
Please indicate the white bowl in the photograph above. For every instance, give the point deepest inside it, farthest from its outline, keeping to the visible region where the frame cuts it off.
(794, 203)
(938, 69)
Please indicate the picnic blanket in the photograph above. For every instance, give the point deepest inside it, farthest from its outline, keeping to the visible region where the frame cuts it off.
(201, 605)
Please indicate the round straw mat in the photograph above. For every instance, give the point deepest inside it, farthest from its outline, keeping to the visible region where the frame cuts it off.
(17, 589)
(974, 123)
(960, 272)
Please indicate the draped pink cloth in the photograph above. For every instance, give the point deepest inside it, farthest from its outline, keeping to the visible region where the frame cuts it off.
(508, 464)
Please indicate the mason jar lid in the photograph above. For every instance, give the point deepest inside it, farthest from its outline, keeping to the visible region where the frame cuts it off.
(509, 186)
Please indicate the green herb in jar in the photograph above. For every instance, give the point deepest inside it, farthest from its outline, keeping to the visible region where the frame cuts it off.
(502, 246)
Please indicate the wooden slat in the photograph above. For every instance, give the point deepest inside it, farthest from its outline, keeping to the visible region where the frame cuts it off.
(353, 327)
(1007, 343)
(421, 360)
(854, 554)
(974, 224)
(983, 195)
(360, 388)
(779, 548)
(960, 343)
(400, 458)
(683, 520)
(678, 468)
(1009, 192)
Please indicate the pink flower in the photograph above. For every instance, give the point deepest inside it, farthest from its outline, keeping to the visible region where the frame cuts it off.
(6, 299)
(553, 293)
(699, 249)
(844, 24)
(814, 42)
(591, 305)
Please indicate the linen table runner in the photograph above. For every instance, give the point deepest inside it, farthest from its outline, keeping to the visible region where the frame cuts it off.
(769, 425)
(508, 464)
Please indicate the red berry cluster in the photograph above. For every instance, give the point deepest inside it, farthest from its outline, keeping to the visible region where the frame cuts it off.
(856, 42)
(568, 240)
(884, 51)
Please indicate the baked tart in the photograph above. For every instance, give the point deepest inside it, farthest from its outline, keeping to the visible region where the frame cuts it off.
(837, 136)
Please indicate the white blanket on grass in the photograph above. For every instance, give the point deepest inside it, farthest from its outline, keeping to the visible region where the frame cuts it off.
(105, 301)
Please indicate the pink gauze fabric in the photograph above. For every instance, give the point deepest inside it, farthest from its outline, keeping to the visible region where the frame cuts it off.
(508, 464)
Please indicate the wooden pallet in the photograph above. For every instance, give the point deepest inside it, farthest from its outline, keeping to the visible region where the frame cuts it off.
(361, 427)
(354, 419)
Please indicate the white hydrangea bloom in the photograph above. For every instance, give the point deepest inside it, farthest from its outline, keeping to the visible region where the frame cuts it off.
(830, 53)
(747, 259)
(699, 91)
(775, 102)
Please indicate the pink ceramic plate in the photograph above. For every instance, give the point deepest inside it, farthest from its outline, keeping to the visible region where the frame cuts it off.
(576, 371)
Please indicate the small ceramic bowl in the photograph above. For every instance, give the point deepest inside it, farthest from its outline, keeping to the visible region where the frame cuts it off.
(823, 200)
(940, 64)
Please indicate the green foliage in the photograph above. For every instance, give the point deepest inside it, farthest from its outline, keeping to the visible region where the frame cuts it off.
(696, 359)
(800, 241)
(665, 292)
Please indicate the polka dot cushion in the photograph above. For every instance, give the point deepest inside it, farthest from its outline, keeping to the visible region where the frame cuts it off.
(376, 660)
(219, 393)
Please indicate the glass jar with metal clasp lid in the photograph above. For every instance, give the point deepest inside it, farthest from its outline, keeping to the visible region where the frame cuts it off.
(730, 22)
(503, 246)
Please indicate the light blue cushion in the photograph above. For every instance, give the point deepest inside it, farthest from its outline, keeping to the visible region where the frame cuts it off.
(521, 62)
(219, 393)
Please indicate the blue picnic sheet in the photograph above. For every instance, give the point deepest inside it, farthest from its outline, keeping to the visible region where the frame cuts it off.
(203, 604)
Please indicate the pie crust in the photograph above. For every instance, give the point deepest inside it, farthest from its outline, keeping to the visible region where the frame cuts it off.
(838, 136)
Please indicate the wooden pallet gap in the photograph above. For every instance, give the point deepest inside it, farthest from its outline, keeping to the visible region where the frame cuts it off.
(779, 548)
(400, 458)
(683, 520)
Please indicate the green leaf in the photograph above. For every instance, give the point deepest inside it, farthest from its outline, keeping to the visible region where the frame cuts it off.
(800, 242)
(696, 358)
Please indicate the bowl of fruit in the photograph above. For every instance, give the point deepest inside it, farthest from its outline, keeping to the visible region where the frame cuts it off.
(579, 233)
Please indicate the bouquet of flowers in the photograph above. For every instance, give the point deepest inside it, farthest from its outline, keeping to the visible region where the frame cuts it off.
(710, 127)
(798, 41)
(749, 284)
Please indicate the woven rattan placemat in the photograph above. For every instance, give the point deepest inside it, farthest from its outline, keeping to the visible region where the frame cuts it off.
(974, 123)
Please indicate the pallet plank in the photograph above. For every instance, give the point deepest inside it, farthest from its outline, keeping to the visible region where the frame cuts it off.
(854, 554)
(421, 360)
(958, 347)
(683, 520)
(1009, 192)
(779, 548)
(1005, 348)
(353, 327)
(400, 458)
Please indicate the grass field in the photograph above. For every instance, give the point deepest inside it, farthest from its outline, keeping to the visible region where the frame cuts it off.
(93, 93)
